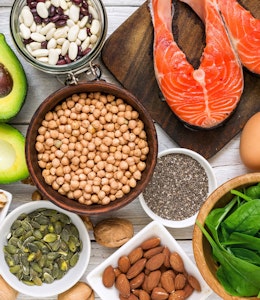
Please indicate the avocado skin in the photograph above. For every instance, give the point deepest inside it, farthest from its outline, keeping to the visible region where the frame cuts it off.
(19, 169)
(12, 103)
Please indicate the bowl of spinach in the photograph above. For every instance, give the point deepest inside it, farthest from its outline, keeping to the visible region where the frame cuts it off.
(226, 238)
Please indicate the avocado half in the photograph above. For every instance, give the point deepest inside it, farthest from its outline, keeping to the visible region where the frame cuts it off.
(13, 82)
(13, 165)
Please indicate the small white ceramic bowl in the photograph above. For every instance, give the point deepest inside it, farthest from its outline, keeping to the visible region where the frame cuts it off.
(212, 185)
(58, 286)
(94, 278)
(4, 210)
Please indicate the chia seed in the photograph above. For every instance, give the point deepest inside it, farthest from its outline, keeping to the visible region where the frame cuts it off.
(178, 187)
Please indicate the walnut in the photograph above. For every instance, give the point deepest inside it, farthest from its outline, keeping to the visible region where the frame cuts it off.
(113, 232)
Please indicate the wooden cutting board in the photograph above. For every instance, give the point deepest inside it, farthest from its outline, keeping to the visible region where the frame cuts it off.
(128, 55)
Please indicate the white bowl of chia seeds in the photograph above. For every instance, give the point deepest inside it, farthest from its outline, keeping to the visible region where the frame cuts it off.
(181, 182)
(44, 250)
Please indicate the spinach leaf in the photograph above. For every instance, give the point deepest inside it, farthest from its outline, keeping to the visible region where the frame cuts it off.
(245, 219)
(216, 216)
(237, 276)
(247, 255)
(243, 240)
(253, 191)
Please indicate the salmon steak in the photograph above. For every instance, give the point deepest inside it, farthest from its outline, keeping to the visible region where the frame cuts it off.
(205, 97)
(244, 31)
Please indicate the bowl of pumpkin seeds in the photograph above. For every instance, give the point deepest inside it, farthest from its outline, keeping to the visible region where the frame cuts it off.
(44, 250)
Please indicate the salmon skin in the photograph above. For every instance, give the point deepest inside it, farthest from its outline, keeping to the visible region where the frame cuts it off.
(202, 98)
(244, 31)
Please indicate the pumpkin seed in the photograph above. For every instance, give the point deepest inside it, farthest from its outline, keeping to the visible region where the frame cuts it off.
(50, 237)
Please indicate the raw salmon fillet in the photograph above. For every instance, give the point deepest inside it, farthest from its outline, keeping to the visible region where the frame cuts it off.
(244, 31)
(203, 97)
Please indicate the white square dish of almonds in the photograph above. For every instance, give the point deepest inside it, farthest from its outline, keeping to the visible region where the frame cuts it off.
(145, 251)
(5, 201)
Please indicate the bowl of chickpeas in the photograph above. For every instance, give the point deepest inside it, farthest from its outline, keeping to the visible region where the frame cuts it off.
(91, 147)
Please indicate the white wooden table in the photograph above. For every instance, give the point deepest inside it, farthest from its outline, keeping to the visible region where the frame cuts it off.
(226, 163)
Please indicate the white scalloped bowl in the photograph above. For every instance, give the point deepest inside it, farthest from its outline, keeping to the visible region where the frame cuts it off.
(212, 185)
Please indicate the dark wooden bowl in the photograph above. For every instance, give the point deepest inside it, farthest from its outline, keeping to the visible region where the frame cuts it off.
(201, 247)
(31, 154)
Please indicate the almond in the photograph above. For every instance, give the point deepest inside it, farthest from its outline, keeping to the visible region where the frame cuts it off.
(188, 289)
(124, 264)
(153, 279)
(136, 268)
(123, 285)
(151, 252)
(177, 295)
(131, 297)
(135, 255)
(108, 276)
(167, 253)
(151, 243)
(176, 262)
(143, 295)
(194, 283)
(167, 281)
(155, 262)
(180, 281)
(159, 293)
(137, 281)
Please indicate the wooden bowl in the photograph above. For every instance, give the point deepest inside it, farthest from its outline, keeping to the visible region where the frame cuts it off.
(201, 247)
(31, 154)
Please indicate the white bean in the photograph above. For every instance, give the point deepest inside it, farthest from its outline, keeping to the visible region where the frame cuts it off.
(40, 52)
(85, 44)
(73, 50)
(60, 41)
(95, 27)
(63, 4)
(74, 13)
(83, 22)
(47, 27)
(70, 23)
(50, 34)
(37, 37)
(52, 44)
(60, 32)
(42, 10)
(55, 3)
(73, 33)
(93, 11)
(82, 35)
(43, 59)
(27, 16)
(35, 45)
(53, 57)
(25, 31)
(33, 27)
(93, 39)
(65, 47)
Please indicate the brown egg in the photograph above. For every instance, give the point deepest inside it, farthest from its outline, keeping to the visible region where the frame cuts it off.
(250, 143)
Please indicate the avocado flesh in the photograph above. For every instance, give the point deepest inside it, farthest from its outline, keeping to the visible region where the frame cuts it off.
(12, 155)
(11, 103)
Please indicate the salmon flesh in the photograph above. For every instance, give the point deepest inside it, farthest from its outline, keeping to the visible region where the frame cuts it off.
(205, 97)
(244, 31)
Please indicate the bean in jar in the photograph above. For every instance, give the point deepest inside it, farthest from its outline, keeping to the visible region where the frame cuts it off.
(92, 148)
(58, 32)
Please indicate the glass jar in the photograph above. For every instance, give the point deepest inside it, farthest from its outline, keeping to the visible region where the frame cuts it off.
(76, 66)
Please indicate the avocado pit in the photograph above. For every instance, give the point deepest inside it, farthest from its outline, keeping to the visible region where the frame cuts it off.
(6, 81)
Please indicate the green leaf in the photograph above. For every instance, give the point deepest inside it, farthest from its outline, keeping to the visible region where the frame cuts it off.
(247, 255)
(216, 216)
(235, 274)
(253, 191)
(244, 219)
(243, 240)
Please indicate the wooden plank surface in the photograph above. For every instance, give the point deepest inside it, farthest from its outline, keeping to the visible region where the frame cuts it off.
(128, 54)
